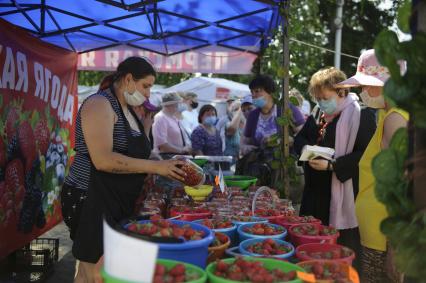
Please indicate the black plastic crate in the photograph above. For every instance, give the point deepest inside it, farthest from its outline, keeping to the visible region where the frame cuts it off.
(35, 261)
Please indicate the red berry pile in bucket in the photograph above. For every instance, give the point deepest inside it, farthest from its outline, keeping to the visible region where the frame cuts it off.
(164, 228)
(217, 223)
(176, 274)
(269, 247)
(251, 271)
(263, 229)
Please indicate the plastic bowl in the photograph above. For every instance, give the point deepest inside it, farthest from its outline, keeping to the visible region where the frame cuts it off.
(200, 191)
(185, 216)
(244, 236)
(298, 240)
(350, 272)
(267, 263)
(255, 220)
(167, 263)
(231, 232)
(315, 247)
(286, 224)
(193, 252)
(240, 181)
(243, 248)
(218, 251)
(200, 162)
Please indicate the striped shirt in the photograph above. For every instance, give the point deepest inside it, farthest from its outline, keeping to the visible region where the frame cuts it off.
(79, 174)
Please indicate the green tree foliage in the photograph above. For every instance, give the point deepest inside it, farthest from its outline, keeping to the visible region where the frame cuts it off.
(312, 22)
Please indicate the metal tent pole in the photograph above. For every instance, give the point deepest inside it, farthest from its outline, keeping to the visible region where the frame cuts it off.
(338, 22)
(285, 82)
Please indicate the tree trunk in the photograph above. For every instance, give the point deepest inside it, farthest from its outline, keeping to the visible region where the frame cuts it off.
(419, 173)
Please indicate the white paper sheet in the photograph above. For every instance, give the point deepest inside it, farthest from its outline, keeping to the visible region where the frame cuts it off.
(128, 258)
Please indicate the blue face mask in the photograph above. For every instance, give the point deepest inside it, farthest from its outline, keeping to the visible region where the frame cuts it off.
(328, 106)
(259, 102)
(210, 121)
(182, 107)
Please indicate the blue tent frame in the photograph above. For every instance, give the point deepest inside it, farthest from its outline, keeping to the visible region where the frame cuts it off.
(166, 27)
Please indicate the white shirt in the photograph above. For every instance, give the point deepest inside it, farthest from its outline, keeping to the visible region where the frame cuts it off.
(165, 129)
(190, 120)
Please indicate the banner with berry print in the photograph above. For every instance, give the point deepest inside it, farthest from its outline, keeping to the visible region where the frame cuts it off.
(38, 103)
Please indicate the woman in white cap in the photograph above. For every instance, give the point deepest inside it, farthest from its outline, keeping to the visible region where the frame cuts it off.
(371, 76)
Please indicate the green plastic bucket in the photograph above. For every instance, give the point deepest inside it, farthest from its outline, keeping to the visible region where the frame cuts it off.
(242, 182)
(167, 263)
(268, 263)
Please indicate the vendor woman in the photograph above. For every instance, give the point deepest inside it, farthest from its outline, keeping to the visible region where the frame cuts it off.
(109, 168)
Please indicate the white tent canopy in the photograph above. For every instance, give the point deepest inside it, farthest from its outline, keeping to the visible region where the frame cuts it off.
(213, 91)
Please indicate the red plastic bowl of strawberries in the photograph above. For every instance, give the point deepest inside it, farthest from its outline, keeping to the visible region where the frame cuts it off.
(313, 233)
(316, 251)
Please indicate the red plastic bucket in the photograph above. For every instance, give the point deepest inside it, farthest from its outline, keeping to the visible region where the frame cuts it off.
(298, 239)
(288, 221)
(304, 252)
(196, 215)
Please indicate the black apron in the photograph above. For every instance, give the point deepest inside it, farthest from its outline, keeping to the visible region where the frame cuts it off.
(110, 195)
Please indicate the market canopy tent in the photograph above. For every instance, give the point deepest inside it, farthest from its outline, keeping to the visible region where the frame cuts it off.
(211, 89)
(166, 27)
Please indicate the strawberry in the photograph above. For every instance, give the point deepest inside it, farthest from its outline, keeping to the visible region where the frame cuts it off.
(14, 176)
(160, 269)
(42, 136)
(11, 120)
(222, 266)
(132, 227)
(177, 270)
(27, 143)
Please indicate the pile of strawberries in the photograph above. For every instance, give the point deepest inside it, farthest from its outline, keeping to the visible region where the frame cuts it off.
(300, 219)
(269, 247)
(243, 218)
(219, 239)
(189, 210)
(313, 230)
(176, 274)
(268, 212)
(335, 253)
(217, 223)
(193, 174)
(263, 229)
(165, 228)
(251, 271)
(328, 271)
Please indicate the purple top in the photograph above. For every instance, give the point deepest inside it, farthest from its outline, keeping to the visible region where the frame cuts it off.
(208, 144)
(257, 128)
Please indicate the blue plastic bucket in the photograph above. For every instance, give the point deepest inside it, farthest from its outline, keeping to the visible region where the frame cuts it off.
(255, 220)
(244, 236)
(193, 252)
(231, 232)
(243, 248)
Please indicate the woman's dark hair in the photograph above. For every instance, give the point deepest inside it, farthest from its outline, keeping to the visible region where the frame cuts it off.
(264, 82)
(137, 66)
(205, 109)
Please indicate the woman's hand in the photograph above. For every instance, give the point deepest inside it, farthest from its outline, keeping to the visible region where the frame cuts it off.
(319, 164)
(170, 169)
